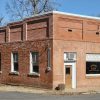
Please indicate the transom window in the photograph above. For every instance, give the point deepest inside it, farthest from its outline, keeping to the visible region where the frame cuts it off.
(14, 61)
(69, 56)
(34, 62)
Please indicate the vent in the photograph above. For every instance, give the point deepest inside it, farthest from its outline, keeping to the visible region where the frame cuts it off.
(69, 30)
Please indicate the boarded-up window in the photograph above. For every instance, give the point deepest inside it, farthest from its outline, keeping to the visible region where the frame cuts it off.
(36, 29)
(16, 33)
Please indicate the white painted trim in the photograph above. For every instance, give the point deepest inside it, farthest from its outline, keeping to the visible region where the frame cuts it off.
(8, 34)
(30, 62)
(76, 15)
(12, 66)
(73, 64)
(31, 65)
(26, 31)
(94, 75)
(65, 13)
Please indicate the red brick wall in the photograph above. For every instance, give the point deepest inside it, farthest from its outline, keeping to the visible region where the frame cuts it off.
(81, 48)
(83, 29)
(2, 36)
(33, 28)
(69, 33)
(82, 40)
(37, 29)
(16, 33)
(31, 34)
(24, 49)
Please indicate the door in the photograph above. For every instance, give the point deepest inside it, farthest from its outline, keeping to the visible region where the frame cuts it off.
(68, 76)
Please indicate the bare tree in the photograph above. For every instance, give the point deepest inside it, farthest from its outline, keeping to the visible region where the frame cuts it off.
(19, 9)
(1, 19)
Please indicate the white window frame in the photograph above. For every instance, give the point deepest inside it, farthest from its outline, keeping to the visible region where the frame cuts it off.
(0, 63)
(31, 65)
(12, 63)
(90, 59)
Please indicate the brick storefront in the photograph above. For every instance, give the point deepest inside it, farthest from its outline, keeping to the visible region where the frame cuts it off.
(61, 33)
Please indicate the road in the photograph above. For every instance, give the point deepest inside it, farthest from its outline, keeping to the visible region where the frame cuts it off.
(30, 96)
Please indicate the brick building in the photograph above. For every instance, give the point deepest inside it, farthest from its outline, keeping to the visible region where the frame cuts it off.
(51, 49)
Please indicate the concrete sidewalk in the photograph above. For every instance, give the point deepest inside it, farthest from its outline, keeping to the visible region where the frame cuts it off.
(24, 89)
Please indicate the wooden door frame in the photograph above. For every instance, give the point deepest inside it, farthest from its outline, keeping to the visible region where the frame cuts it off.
(73, 65)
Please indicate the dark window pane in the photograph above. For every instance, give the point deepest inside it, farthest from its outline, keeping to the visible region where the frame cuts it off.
(15, 61)
(15, 66)
(67, 70)
(92, 67)
(36, 68)
(15, 57)
(35, 62)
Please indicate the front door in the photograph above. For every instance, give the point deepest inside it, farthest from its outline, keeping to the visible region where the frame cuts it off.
(68, 76)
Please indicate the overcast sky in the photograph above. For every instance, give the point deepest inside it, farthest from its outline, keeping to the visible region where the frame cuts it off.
(83, 7)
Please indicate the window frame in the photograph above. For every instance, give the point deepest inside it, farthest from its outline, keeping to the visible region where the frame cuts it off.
(0, 63)
(12, 62)
(88, 60)
(31, 63)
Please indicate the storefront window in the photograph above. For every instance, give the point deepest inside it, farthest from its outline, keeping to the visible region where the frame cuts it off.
(92, 63)
(92, 67)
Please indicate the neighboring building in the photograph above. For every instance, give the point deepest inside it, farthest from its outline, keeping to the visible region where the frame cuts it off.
(51, 49)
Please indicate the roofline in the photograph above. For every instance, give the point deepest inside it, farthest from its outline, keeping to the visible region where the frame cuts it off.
(57, 12)
(76, 15)
(62, 13)
(65, 13)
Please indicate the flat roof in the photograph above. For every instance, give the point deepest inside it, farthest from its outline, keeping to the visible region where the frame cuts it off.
(76, 15)
(65, 13)
(59, 12)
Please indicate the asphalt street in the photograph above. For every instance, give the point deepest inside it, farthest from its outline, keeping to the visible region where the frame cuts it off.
(31, 96)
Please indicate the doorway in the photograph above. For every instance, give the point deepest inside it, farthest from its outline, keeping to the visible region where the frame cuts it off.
(70, 75)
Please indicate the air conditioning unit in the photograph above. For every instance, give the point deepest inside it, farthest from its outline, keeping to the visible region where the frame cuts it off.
(70, 56)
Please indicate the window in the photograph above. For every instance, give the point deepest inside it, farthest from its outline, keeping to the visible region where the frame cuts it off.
(92, 64)
(67, 71)
(92, 67)
(14, 61)
(34, 62)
